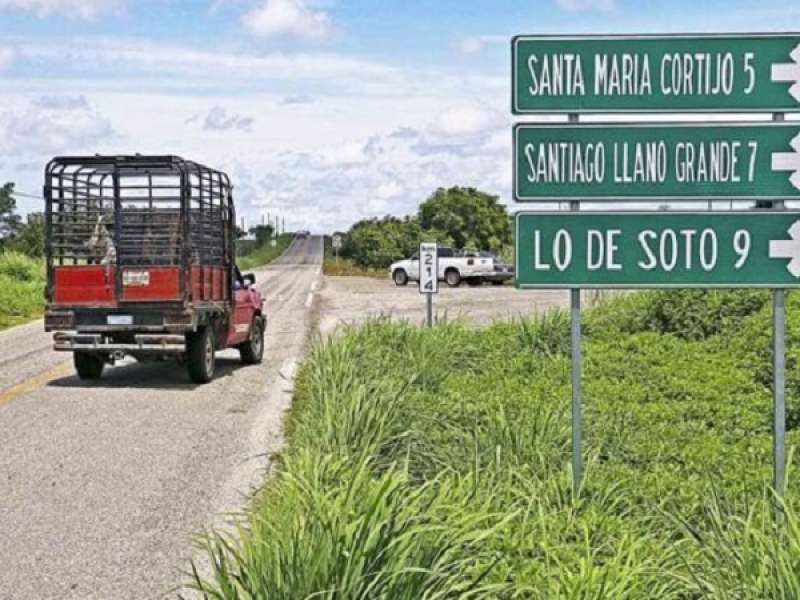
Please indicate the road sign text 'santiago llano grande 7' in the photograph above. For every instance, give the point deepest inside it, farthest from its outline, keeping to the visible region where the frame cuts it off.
(664, 249)
(692, 73)
(686, 161)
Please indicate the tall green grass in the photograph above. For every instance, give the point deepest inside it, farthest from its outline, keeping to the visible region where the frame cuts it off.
(21, 288)
(435, 463)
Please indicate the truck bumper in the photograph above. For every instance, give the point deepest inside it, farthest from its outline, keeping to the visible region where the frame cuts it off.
(89, 320)
(143, 344)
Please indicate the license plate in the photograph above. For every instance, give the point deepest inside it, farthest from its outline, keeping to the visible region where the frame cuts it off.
(135, 278)
(120, 320)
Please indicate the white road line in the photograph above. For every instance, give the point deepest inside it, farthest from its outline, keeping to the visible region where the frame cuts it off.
(309, 300)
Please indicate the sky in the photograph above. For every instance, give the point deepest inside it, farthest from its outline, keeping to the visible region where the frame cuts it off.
(321, 111)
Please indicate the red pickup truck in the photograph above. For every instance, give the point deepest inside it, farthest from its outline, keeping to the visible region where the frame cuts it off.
(141, 262)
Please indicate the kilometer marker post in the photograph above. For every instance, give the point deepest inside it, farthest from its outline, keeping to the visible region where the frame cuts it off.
(429, 276)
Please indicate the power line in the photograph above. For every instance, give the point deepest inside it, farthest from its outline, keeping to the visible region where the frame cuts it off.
(24, 195)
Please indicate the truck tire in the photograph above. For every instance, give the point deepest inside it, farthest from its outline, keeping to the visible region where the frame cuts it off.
(200, 355)
(88, 366)
(452, 277)
(400, 277)
(252, 351)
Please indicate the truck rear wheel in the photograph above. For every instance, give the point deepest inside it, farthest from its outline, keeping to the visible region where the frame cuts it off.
(252, 351)
(89, 366)
(200, 355)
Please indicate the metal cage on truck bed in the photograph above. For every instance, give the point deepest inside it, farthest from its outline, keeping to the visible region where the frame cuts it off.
(123, 229)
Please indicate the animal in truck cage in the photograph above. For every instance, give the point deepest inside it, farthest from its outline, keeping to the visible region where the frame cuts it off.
(100, 245)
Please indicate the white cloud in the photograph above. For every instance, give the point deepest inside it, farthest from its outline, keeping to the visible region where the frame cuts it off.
(476, 43)
(175, 63)
(83, 9)
(587, 5)
(322, 166)
(51, 125)
(287, 18)
(218, 119)
(466, 120)
(297, 99)
(390, 189)
(8, 56)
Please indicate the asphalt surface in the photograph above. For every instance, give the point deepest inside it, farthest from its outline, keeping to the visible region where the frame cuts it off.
(102, 484)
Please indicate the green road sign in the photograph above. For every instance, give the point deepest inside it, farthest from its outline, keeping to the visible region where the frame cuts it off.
(658, 250)
(682, 73)
(681, 161)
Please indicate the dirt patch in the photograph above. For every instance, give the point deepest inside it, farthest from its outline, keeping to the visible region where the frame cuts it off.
(348, 300)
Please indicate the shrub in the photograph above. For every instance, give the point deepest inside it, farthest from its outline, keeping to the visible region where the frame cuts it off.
(19, 267)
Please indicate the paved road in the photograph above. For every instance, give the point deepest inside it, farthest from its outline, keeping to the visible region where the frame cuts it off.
(102, 484)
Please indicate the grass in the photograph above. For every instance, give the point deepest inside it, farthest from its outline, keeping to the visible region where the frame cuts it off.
(21, 289)
(346, 268)
(436, 463)
(265, 254)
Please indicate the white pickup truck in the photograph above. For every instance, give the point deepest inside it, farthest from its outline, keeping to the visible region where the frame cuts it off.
(454, 267)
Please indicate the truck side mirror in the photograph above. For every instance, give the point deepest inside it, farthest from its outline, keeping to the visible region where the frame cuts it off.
(249, 279)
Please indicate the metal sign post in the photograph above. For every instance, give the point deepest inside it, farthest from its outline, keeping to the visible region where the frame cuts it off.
(429, 275)
(779, 368)
(577, 408)
(337, 243)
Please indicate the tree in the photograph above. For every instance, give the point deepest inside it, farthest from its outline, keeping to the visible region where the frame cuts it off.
(262, 234)
(30, 236)
(9, 219)
(469, 217)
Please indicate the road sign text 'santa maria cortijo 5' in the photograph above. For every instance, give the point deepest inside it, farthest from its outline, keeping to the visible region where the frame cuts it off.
(677, 161)
(682, 73)
(658, 249)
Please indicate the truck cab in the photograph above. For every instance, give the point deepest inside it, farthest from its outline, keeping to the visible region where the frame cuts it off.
(140, 255)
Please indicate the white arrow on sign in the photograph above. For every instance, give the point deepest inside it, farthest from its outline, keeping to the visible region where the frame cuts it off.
(789, 72)
(788, 249)
(789, 161)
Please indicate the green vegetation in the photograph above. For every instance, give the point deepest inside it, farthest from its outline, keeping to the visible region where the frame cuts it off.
(436, 463)
(21, 288)
(345, 267)
(21, 266)
(265, 253)
(459, 217)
